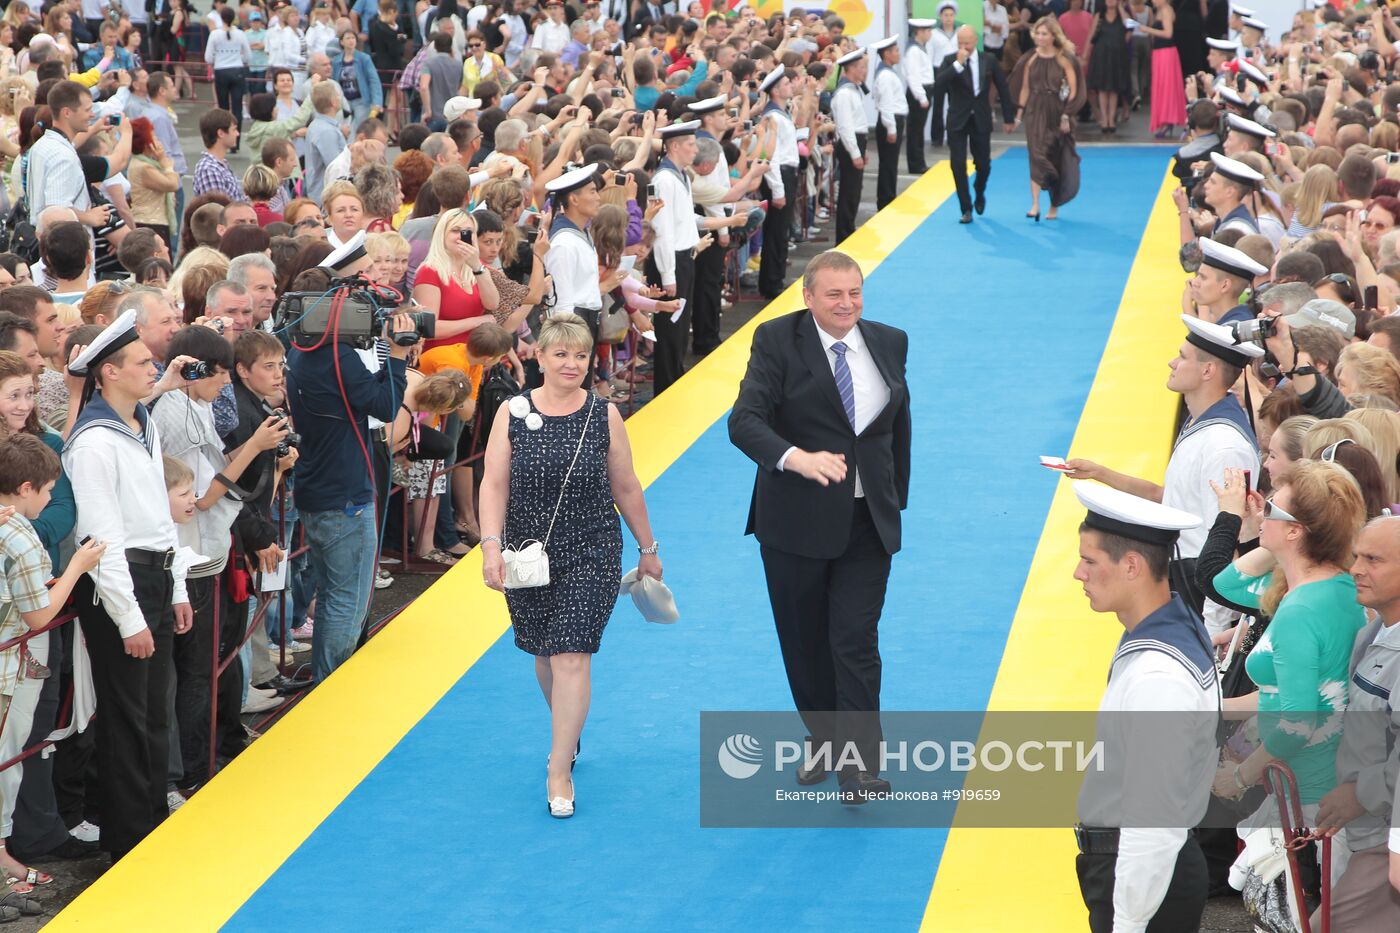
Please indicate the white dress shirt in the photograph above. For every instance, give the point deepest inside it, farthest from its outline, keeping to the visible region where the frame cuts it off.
(848, 110)
(918, 72)
(976, 71)
(994, 14)
(784, 150)
(551, 37)
(889, 97)
(675, 223)
(871, 392)
(55, 175)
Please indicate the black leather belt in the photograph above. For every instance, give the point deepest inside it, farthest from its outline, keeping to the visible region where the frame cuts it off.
(156, 560)
(1096, 841)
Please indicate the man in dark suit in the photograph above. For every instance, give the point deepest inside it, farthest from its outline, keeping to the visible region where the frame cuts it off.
(824, 412)
(966, 77)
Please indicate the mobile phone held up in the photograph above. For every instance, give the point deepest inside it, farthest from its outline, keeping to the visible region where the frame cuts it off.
(651, 191)
(468, 236)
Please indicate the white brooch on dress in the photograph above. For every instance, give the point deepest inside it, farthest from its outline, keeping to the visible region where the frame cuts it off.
(519, 406)
(533, 421)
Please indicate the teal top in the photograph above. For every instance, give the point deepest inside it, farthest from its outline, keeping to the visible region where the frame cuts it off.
(1301, 665)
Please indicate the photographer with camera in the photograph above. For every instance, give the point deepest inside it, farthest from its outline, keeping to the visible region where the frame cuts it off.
(185, 418)
(331, 395)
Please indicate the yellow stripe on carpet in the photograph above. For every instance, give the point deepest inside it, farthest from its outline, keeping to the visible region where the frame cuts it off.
(1058, 651)
(202, 864)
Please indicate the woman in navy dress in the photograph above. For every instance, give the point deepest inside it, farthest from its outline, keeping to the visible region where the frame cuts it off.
(537, 440)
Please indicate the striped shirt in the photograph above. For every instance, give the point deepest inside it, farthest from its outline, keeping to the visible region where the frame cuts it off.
(213, 174)
(54, 175)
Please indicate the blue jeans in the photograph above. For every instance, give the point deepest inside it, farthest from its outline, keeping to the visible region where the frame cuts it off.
(342, 550)
(359, 112)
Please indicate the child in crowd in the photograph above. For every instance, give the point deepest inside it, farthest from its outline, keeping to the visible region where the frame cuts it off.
(28, 471)
(484, 347)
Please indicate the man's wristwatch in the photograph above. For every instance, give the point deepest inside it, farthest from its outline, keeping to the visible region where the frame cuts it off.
(655, 546)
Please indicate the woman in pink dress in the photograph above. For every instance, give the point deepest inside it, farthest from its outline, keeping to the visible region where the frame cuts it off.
(1168, 87)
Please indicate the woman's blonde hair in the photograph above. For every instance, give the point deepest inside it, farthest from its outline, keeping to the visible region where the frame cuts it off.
(1064, 49)
(1319, 187)
(438, 259)
(1371, 368)
(260, 182)
(388, 244)
(1386, 135)
(338, 189)
(1331, 430)
(1385, 444)
(443, 392)
(203, 263)
(1327, 502)
(564, 330)
(1292, 434)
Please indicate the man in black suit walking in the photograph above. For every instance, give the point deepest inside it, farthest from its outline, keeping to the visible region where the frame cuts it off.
(824, 412)
(966, 77)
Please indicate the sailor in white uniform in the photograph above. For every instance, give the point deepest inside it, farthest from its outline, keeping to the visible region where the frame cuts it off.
(780, 182)
(134, 604)
(673, 256)
(848, 111)
(891, 108)
(1140, 866)
(941, 43)
(1217, 435)
(918, 81)
(572, 260)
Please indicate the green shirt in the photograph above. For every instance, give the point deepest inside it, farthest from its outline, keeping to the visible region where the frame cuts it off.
(1301, 665)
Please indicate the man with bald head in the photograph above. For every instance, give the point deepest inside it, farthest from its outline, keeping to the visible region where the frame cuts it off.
(966, 77)
(1363, 799)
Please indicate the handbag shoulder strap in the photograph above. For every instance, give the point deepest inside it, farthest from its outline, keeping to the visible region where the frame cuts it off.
(570, 472)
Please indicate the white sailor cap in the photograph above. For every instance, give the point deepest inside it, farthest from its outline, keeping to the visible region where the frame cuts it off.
(851, 57)
(677, 130)
(114, 336)
(1115, 512)
(930, 23)
(946, 4)
(1230, 260)
(457, 106)
(351, 251)
(878, 47)
(1251, 23)
(1251, 72)
(708, 105)
(1240, 124)
(1232, 96)
(1240, 11)
(1223, 45)
(1220, 342)
(773, 77)
(570, 180)
(1235, 170)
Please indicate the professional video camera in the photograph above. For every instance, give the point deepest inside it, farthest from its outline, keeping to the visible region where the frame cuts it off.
(352, 311)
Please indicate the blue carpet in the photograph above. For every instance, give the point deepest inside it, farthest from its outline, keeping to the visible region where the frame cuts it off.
(1007, 320)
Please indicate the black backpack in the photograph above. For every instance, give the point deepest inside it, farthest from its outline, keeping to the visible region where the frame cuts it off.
(17, 234)
(498, 386)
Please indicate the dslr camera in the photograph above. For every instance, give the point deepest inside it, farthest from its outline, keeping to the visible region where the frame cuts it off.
(291, 441)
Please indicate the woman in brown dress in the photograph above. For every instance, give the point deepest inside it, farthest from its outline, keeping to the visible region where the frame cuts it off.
(1050, 90)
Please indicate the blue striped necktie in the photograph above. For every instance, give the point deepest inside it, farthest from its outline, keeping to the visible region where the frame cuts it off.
(844, 384)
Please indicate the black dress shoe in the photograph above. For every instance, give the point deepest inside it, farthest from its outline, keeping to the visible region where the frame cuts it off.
(70, 848)
(966, 218)
(813, 772)
(858, 789)
(980, 204)
(285, 685)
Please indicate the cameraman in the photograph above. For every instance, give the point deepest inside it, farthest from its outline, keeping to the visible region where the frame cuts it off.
(332, 395)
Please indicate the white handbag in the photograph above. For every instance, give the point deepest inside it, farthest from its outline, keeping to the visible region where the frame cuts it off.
(528, 565)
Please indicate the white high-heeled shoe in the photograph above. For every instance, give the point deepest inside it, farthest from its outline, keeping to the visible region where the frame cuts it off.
(561, 808)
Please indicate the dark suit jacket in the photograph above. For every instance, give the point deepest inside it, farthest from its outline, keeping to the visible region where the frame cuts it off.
(966, 112)
(789, 399)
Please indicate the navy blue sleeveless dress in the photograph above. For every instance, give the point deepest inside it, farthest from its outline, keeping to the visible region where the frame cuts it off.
(585, 548)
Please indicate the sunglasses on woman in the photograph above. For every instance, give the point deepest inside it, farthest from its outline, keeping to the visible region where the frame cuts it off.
(1274, 513)
(1330, 454)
